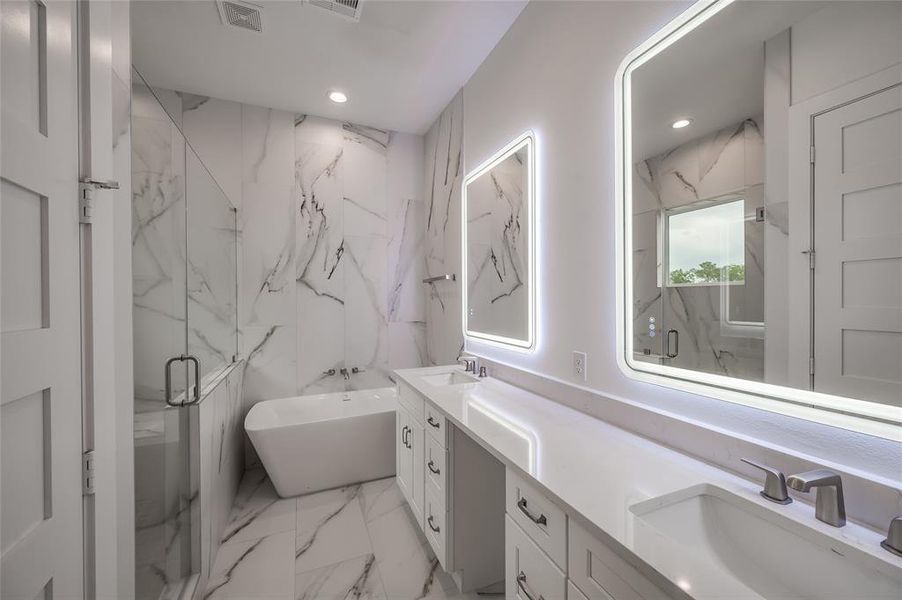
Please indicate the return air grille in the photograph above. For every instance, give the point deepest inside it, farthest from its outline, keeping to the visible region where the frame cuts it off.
(244, 15)
(349, 9)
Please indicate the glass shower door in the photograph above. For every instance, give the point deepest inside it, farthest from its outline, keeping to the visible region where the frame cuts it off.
(164, 520)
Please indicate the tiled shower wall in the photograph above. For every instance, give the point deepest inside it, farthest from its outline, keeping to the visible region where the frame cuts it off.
(444, 178)
(331, 244)
(728, 161)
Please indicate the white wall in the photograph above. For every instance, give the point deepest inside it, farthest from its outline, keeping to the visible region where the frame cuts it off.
(553, 72)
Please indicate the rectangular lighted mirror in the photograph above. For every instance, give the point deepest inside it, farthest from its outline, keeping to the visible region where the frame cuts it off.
(498, 222)
(761, 179)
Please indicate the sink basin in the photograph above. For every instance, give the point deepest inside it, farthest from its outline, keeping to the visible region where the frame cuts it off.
(754, 551)
(449, 378)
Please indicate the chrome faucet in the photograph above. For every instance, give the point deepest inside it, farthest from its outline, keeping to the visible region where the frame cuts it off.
(774, 483)
(829, 505)
(345, 374)
(468, 362)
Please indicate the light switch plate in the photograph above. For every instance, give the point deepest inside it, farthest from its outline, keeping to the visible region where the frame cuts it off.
(579, 365)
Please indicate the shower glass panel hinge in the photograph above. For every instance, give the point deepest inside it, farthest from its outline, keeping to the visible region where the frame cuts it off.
(811, 154)
(87, 473)
(811, 365)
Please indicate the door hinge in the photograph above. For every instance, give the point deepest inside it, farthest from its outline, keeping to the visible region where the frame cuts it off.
(87, 473)
(811, 365)
(86, 189)
(811, 154)
(811, 255)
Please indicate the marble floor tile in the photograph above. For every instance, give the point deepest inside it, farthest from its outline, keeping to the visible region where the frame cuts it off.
(380, 497)
(408, 567)
(330, 528)
(262, 569)
(359, 542)
(356, 578)
(258, 510)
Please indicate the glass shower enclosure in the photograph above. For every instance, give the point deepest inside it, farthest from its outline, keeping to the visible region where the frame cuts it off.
(184, 274)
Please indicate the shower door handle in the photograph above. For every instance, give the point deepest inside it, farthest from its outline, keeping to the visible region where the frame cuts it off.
(168, 369)
(673, 349)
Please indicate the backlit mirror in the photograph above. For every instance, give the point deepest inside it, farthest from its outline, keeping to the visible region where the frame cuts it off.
(762, 203)
(498, 221)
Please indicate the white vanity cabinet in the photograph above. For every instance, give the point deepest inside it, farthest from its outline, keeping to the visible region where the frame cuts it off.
(550, 555)
(409, 456)
(455, 490)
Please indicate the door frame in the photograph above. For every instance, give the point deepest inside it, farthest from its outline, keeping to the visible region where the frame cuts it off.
(801, 210)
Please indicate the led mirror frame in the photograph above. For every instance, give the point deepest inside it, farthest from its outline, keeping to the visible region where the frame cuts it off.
(848, 413)
(527, 139)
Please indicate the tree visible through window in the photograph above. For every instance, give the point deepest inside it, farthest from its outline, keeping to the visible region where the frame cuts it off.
(706, 245)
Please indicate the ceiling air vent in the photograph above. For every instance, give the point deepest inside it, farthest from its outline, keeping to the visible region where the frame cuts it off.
(240, 14)
(350, 9)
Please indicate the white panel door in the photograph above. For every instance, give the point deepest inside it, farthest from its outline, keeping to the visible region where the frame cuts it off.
(858, 240)
(40, 393)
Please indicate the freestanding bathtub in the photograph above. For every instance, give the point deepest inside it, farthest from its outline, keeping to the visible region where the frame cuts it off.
(312, 443)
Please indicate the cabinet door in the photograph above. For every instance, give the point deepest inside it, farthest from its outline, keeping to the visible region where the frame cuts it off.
(404, 453)
(417, 441)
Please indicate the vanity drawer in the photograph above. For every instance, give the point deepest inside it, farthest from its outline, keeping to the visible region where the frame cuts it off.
(435, 525)
(529, 573)
(436, 425)
(601, 574)
(410, 399)
(539, 517)
(436, 462)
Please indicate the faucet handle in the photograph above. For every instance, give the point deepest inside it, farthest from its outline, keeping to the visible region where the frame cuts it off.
(893, 541)
(774, 483)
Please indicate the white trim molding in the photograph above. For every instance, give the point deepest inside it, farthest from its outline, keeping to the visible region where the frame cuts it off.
(528, 140)
(848, 413)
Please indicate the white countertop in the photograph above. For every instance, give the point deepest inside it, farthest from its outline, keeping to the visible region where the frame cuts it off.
(597, 471)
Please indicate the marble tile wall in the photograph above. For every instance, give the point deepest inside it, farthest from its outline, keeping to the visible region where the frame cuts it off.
(331, 244)
(724, 162)
(444, 177)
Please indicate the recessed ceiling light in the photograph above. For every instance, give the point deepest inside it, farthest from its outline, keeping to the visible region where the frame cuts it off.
(338, 97)
(680, 123)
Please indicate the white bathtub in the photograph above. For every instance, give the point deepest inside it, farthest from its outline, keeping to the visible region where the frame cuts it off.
(312, 443)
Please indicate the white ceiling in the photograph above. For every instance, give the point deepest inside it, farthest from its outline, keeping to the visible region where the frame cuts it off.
(714, 75)
(400, 65)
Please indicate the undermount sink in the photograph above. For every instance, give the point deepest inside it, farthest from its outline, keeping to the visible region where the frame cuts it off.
(758, 552)
(449, 378)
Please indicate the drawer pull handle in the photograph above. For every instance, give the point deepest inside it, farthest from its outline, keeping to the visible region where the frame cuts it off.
(404, 435)
(540, 520)
(521, 583)
(431, 525)
(433, 423)
(432, 468)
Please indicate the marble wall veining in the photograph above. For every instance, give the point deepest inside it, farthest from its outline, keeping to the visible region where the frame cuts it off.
(444, 178)
(331, 245)
(728, 161)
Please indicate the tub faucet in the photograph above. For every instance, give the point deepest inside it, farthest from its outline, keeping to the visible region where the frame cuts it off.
(345, 374)
(829, 505)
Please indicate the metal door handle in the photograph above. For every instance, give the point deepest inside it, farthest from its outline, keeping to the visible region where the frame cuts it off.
(404, 433)
(540, 520)
(673, 349)
(521, 583)
(432, 525)
(433, 423)
(168, 377)
(432, 468)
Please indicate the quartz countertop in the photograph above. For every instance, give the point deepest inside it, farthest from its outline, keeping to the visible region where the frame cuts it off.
(597, 472)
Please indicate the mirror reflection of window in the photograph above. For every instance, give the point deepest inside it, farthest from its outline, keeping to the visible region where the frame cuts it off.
(706, 245)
